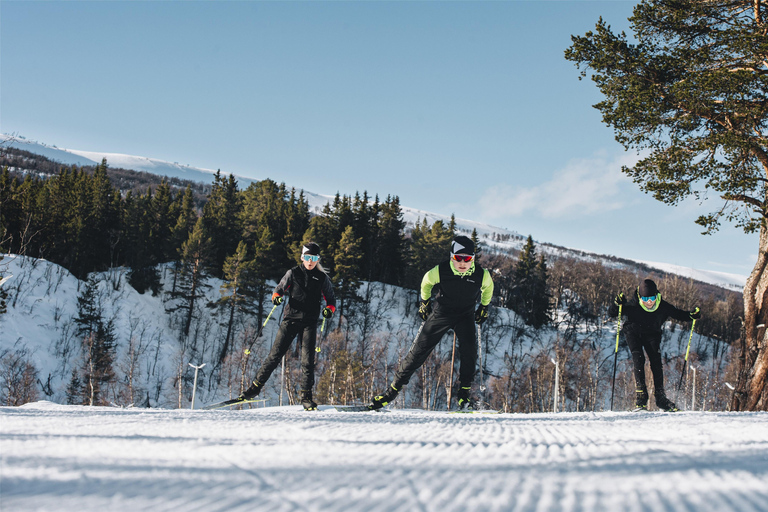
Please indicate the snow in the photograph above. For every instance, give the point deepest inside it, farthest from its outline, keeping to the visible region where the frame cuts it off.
(724, 279)
(57, 457)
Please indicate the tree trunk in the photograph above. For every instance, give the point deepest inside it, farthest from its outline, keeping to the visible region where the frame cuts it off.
(225, 347)
(751, 391)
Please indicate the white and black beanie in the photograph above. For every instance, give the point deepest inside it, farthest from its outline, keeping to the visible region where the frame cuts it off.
(462, 245)
(310, 248)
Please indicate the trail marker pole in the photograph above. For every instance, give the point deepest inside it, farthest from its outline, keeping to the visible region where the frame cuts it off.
(194, 386)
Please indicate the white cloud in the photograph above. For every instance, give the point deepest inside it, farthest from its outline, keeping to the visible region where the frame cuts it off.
(583, 187)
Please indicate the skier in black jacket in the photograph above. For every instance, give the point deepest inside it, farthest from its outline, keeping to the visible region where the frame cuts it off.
(645, 314)
(306, 285)
(460, 284)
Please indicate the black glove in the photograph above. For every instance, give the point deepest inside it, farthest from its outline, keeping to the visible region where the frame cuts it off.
(481, 315)
(695, 314)
(327, 312)
(620, 300)
(277, 300)
(425, 308)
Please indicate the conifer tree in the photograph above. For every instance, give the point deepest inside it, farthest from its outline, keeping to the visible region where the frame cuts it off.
(238, 291)
(528, 297)
(98, 342)
(138, 243)
(346, 277)
(221, 217)
(195, 255)
(430, 245)
(390, 253)
(323, 230)
(476, 240)
(185, 221)
(75, 389)
(690, 92)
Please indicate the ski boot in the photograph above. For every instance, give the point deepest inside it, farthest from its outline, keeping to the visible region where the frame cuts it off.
(641, 399)
(252, 392)
(385, 399)
(307, 402)
(664, 403)
(465, 400)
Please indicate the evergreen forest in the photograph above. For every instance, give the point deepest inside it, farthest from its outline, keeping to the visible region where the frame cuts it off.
(172, 240)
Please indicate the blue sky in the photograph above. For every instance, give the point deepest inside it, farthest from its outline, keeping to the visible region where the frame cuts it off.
(456, 107)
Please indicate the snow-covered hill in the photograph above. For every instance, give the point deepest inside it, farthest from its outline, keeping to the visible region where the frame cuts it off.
(44, 303)
(283, 459)
(511, 239)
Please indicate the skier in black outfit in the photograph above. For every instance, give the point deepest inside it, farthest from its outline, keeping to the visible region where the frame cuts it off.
(645, 314)
(460, 284)
(306, 285)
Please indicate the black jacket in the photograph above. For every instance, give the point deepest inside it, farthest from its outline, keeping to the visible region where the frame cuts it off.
(637, 320)
(305, 289)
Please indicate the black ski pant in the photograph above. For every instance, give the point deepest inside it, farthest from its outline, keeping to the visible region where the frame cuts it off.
(290, 329)
(436, 325)
(651, 343)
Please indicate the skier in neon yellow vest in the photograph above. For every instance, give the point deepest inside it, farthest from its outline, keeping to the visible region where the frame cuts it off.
(459, 282)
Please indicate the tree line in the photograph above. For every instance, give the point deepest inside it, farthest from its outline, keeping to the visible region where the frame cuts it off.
(247, 237)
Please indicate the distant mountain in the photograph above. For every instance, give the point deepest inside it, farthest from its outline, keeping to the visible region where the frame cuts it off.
(495, 238)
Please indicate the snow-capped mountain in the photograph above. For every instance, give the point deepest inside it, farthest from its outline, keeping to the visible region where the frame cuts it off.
(511, 240)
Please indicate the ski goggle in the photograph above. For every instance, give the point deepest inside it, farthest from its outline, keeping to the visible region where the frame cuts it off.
(310, 257)
(463, 257)
(648, 299)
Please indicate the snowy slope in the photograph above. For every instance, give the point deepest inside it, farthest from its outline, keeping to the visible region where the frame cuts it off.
(724, 279)
(318, 201)
(58, 457)
(89, 158)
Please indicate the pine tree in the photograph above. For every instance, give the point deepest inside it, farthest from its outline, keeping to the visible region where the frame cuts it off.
(689, 92)
(139, 251)
(238, 293)
(185, 222)
(221, 218)
(528, 297)
(478, 245)
(390, 254)
(195, 255)
(430, 245)
(346, 277)
(98, 342)
(324, 232)
(75, 389)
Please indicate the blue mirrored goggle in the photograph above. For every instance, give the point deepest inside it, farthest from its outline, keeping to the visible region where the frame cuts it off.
(647, 299)
(310, 257)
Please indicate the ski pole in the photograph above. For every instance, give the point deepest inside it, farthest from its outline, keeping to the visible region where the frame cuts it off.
(322, 337)
(450, 380)
(615, 356)
(685, 362)
(480, 351)
(248, 350)
(418, 333)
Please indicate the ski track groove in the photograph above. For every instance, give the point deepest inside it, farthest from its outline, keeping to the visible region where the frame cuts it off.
(285, 459)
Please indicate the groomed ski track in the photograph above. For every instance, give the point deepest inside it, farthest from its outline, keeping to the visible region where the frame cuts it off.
(74, 458)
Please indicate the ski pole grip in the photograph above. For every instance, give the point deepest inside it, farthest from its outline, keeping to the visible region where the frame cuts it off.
(618, 330)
